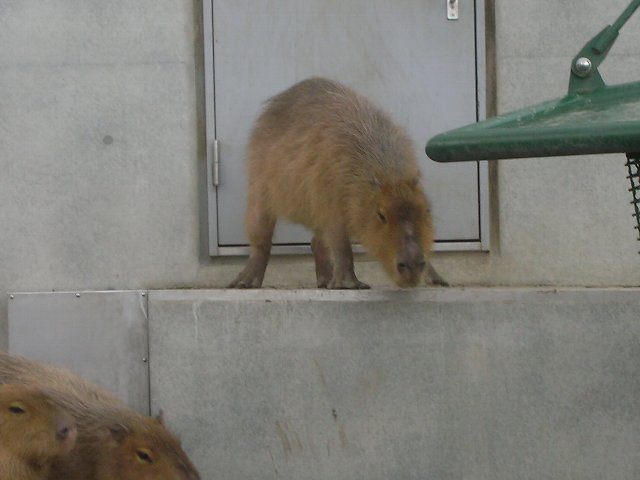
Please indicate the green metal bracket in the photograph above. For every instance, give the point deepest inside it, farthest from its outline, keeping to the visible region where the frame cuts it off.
(585, 76)
(593, 118)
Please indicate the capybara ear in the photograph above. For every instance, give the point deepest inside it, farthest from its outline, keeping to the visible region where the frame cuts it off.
(160, 417)
(119, 432)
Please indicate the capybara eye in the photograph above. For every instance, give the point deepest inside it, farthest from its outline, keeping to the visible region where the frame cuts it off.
(382, 218)
(144, 456)
(16, 409)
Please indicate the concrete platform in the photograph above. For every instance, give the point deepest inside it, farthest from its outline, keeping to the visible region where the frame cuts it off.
(428, 384)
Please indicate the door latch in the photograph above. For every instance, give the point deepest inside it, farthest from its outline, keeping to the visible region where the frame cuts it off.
(452, 9)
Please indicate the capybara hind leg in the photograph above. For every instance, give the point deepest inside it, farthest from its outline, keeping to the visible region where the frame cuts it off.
(343, 276)
(434, 277)
(324, 265)
(260, 229)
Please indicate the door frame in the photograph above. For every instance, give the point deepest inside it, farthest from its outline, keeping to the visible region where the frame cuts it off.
(211, 217)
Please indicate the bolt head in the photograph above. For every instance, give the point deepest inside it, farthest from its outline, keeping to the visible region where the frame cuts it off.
(583, 66)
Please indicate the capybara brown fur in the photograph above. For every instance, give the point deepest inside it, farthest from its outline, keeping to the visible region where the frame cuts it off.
(33, 432)
(325, 157)
(114, 442)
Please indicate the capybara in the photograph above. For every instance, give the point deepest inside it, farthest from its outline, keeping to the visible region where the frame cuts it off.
(33, 432)
(325, 157)
(114, 442)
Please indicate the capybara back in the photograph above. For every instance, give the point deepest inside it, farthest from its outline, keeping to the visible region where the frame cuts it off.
(114, 442)
(323, 156)
(33, 432)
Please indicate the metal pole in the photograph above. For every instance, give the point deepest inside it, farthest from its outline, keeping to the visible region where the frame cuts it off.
(622, 19)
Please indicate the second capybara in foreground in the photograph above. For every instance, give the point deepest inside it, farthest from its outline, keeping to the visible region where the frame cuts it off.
(325, 157)
(113, 442)
(33, 433)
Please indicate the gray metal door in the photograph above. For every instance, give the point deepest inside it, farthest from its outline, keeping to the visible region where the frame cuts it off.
(405, 55)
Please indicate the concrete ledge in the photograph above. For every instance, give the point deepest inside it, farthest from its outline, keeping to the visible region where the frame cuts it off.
(435, 294)
(381, 384)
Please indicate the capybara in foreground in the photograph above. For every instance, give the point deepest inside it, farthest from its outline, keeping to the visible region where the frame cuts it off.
(114, 442)
(33, 432)
(325, 157)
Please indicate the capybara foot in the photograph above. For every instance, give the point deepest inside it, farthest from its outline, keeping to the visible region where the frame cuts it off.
(434, 277)
(242, 283)
(253, 273)
(347, 284)
(323, 278)
(246, 280)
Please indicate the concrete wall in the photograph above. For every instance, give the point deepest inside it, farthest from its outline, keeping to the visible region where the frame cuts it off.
(102, 151)
(476, 384)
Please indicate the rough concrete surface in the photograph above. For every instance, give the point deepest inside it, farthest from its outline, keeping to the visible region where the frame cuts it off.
(102, 154)
(479, 384)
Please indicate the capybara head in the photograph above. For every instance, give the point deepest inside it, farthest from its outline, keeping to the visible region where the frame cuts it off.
(145, 450)
(400, 232)
(32, 428)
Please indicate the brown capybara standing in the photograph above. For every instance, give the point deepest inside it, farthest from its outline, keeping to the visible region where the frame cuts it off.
(33, 432)
(325, 157)
(114, 442)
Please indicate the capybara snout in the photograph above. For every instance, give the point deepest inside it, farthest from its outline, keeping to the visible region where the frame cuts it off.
(410, 260)
(410, 267)
(403, 241)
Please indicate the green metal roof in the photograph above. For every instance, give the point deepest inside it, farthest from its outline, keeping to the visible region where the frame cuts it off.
(604, 121)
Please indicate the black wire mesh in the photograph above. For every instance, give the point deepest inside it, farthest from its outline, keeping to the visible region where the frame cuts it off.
(633, 165)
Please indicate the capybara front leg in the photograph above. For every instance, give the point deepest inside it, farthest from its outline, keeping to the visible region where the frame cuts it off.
(343, 276)
(260, 229)
(324, 265)
(434, 277)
